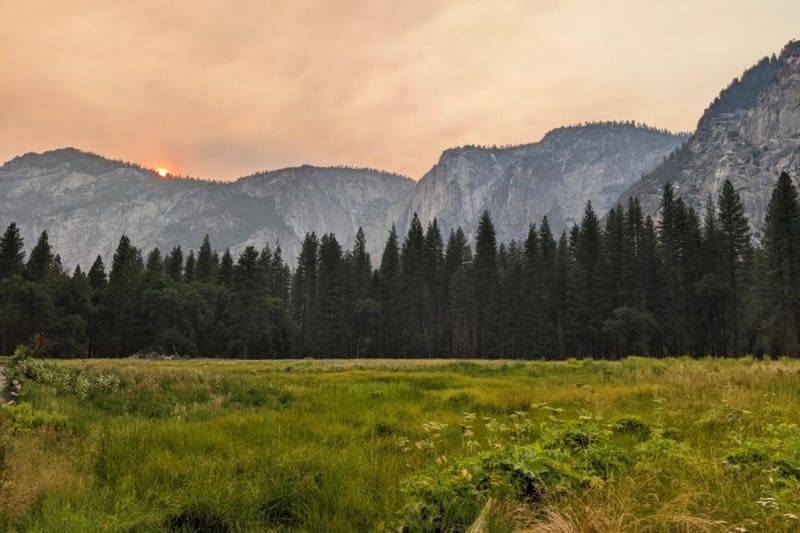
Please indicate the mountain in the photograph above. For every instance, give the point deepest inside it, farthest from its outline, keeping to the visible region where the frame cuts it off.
(748, 135)
(86, 201)
(553, 177)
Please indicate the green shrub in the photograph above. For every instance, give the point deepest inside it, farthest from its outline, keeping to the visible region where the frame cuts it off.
(23, 417)
(450, 498)
(21, 353)
(748, 453)
(631, 425)
(72, 380)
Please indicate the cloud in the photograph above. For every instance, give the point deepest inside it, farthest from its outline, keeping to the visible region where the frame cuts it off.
(220, 89)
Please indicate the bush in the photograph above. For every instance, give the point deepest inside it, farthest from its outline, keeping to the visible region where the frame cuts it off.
(631, 425)
(749, 453)
(21, 353)
(450, 499)
(73, 380)
(23, 417)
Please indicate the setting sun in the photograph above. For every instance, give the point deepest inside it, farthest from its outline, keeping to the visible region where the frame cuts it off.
(163, 172)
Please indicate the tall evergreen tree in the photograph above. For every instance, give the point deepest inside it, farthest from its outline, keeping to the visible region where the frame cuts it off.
(188, 268)
(173, 264)
(205, 269)
(281, 276)
(304, 294)
(486, 288)
(388, 289)
(12, 252)
(41, 261)
(735, 257)
(413, 297)
(434, 288)
(97, 275)
(460, 315)
(782, 254)
(363, 308)
(97, 321)
(330, 297)
(225, 273)
(124, 287)
(154, 265)
(249, 293)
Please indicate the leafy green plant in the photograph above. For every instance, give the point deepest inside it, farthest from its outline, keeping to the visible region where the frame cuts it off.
(631, 425)
(23, 417)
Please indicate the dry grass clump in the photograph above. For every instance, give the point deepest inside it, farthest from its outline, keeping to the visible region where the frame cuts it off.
(36, 467)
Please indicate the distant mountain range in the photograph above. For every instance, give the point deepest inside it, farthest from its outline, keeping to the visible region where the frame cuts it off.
(749, 135)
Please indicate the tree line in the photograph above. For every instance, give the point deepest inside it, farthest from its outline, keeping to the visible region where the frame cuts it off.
(628, 284)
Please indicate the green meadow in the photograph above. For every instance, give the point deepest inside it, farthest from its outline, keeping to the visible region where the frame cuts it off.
(376, 445)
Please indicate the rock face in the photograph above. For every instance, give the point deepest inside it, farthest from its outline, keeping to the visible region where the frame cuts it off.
(749, 135)
(87, 202)
(554, 177)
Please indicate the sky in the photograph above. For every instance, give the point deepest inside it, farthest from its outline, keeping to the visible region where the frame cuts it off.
(222, 89)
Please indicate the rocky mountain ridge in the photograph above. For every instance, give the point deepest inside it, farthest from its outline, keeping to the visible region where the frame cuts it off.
(554, 177)
(748, 135)
(86, 201)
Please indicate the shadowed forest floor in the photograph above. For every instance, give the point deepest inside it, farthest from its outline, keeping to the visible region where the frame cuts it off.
(422, 445)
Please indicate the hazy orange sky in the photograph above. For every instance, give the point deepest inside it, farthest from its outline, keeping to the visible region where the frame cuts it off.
(220, 89)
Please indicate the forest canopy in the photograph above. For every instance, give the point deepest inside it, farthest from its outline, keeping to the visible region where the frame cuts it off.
(684, 284)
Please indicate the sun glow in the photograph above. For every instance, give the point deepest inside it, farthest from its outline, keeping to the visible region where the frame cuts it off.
(163, 172)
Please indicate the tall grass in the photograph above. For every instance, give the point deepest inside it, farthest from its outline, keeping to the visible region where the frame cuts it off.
(641, 445)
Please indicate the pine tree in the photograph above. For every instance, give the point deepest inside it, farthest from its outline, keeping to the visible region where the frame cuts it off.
(710, 288)
(41, 261)
(97, 320)
(562, 263)
(486, 288)
(533, 310)
(782, 258)
(124, 289)
(552, 321)
(281, 276)
(330, 297)
(12, 253)
(735, 252)
(173, 263)
(188, 268)
(304, 294)
(413, 296)
(388, 291)
(154, 265)
(585, 283)
(225, 273)
(206, 266)
(97, 275)
(434, 288)
(246, 306)
(72, 296)
(265, 264)
(363, 308)
(669, 307)
(460, 296)
(631, 255)
(609, 286)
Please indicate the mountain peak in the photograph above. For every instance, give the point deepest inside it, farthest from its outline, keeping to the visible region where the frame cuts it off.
(73, 159)
(609, 126)
(318, 170)
(791, 51)
(743, 91)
